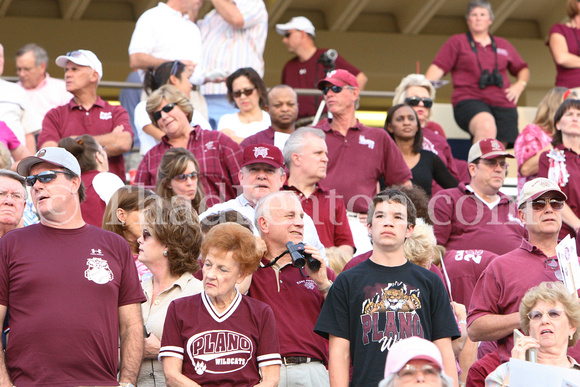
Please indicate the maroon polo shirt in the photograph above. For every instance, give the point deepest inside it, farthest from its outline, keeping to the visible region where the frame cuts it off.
(457, 57)
(439, 145)
(464, 267)
(265, 136)
(463, 222)
(502, 286)
(305, 75)
(435, 128)
(296, 303)
(218, 156)
(568, 77)
(572, 187)
(357, 161)
(73, 120)
(329, 215)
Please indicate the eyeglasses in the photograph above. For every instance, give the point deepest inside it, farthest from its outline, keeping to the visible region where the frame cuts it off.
(553, 314)
(43, 177)
(409, 372)
(414, 101)
(553, 264)
(540, 204)
(167, 108)
(146, 234)
(14, 195)
(494, 163)
(335, 89)
(185, 176)
(246, 92)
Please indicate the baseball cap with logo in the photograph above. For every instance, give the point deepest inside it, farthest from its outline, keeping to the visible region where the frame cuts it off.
(487, 149)
(263, 153)
(82, 58)
(412, 348)
(53, 155)
(299, 23)
(338, 78)
(533, 189)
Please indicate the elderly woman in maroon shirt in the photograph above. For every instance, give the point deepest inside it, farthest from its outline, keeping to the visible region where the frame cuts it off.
(483, 98)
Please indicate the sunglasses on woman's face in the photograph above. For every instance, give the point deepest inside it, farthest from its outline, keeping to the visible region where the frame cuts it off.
(167, 108)
(146, 234)
(43, 177)
(246, 92)
(415, 101)
(553, 314)
(185, 176)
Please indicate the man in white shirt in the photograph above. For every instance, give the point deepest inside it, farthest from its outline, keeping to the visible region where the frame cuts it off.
(44, 92)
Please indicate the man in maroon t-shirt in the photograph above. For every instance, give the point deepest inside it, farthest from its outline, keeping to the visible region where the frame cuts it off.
(305, 155)
(87, 113)
(295, 295)
(494, 310)
(282, 106)
(306, 69)
(72, 289)
(478, 216)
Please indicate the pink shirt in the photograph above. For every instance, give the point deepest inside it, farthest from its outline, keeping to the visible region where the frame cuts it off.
(49, 94)
(7, 137)
(530, 141)
(358, 160)
(457, 57)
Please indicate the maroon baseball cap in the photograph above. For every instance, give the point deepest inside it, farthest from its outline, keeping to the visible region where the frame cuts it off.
(487, 149)
(338, 78)
(263, 153)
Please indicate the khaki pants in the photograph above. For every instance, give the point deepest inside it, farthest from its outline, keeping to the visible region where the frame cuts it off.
(312, 374)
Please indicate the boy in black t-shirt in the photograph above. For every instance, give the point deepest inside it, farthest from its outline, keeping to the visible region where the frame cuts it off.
(384, 299)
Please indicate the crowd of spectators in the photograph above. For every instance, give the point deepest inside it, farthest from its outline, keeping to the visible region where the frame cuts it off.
(259, 245)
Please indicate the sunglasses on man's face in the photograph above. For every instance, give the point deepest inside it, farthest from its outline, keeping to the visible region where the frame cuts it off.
(540, 204)
(166, 109)
(246, 92)
(185, 176)
(335, 89)
(415, 101)
(43, 177)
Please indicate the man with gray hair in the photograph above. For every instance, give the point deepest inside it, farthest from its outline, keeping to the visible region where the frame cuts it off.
(87, 113)
(15, 109)
(12, 201)
(44, 92)
(305, 156)
(296, 295)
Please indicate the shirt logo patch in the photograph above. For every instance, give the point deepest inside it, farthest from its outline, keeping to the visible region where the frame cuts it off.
(209, 146)
(219, 351)
(308, 284)
(365, 141)
(98, 271)
(106, 115)
(502, 51)
(302, 71)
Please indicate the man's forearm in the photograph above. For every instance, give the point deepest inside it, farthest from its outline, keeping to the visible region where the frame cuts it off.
(493, 327)
(131, 354)
(116, 143)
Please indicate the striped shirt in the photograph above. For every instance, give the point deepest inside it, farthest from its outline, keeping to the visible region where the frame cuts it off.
(219, 159)
(228, 48)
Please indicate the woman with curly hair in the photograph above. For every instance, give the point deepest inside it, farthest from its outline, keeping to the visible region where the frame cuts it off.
(169, 246)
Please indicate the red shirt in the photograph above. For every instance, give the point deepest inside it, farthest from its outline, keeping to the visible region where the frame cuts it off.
(219, 159)
(296, 302)
(463, 222)
(568, 77)
(435, 127)
(464, 267)
(502, 286)
(93, 207)
(357, 161)
(73, 120)
(329, 215)
(457, 57)
(305, 75)
(265, 136)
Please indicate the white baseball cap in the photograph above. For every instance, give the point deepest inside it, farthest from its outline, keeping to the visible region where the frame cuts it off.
(299, 23)
(53, 155)
(82, 58)
(535, 188)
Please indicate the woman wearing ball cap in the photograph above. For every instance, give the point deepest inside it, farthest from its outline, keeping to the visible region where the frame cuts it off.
(414, 361)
